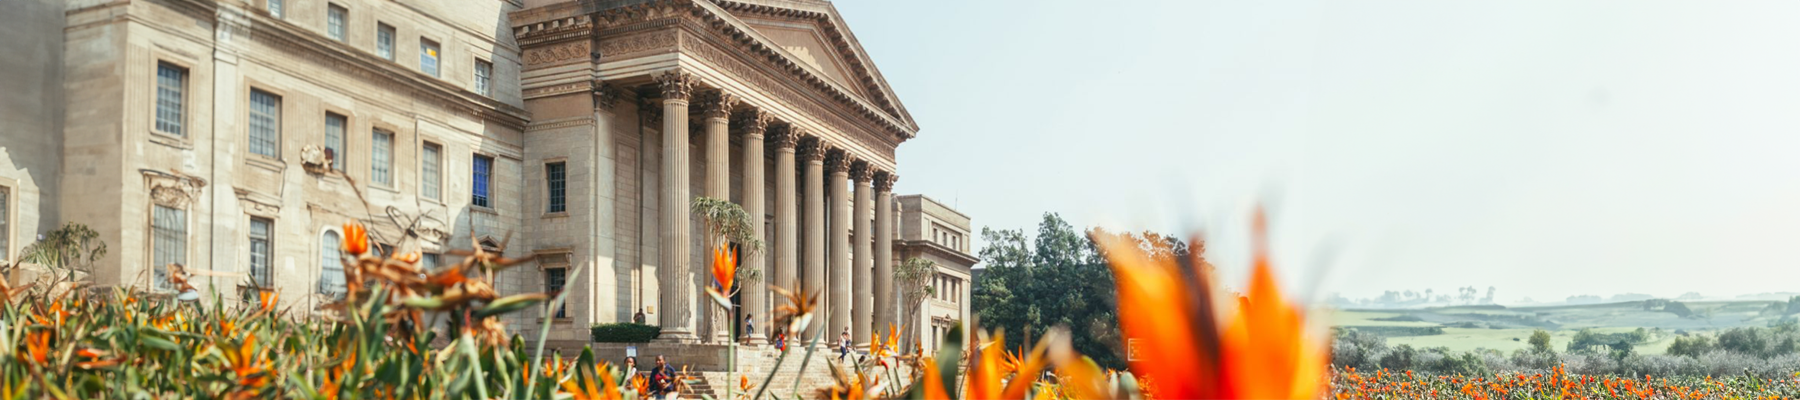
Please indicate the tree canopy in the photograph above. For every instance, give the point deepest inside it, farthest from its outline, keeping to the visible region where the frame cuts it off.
(1059, 277)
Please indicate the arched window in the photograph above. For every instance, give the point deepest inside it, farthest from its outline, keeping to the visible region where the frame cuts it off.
(331, 277)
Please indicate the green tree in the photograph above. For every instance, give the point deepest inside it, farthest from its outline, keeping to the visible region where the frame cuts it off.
(1540, 341)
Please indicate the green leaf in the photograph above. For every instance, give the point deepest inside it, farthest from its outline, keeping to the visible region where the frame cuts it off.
(509, 304)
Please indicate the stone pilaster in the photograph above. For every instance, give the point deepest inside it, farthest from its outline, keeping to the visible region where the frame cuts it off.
(885, 310)
(755, 292)
(674, 276)
(814, 154)
(837, 173)
(862, 260)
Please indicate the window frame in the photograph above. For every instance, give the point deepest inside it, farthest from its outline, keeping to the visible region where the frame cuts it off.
(268, 246)
(378, 167)
(434, 51)
(559, 261)
(158, 269)
(7, 200)
(484, 77)
(275, 8)
(434, 180)
(275, 126)
(330, 237)
(481, 182)
(392, 36)
(181, 101)
(556, 189)
(340, 31)
(340, 149)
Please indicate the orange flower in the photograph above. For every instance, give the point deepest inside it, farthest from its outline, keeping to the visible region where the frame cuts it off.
(409, 257)
(724, 268)
(37, 346)
(356, 239)
(1264, 351)
(268, 299)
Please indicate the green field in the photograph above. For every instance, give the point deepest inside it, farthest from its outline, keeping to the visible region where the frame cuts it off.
(1507, 328)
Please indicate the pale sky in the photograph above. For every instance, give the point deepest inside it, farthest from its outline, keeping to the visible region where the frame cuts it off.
(1549, 148)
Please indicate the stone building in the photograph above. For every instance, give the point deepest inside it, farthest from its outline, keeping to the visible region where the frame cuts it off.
(236, 136)
(931, 231)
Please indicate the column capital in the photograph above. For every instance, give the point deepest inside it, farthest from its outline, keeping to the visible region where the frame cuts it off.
(676, 85)
(752, 121)
(649, 111)
(836, 160)
(884, 181)
(811, 148)
(716, 104)
(606, 95)
(782, 136)
(859, 171)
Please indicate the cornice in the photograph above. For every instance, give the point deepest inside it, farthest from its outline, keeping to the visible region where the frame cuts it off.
(844, 42)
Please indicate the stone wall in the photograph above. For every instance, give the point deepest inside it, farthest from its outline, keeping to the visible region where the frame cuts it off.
(31, 120)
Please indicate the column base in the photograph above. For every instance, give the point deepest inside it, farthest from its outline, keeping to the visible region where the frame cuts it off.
(676, 337)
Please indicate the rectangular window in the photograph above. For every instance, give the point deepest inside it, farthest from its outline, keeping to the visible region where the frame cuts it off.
(556, 177)
(428, 57)
(171, 82)
(335, 126)
(331, 263)
(334, 21)
(483, 172)
(384, 41)
(168, 230)
(484, 72)
(381, 159)
(430, 162)
(259, 252)
(265, 123)
(428, 261)
(275, 8)
(554, 279)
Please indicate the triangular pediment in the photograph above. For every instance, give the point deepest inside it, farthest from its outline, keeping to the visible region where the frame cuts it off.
(811, 33)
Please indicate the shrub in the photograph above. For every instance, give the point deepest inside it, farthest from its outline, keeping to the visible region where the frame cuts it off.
(1691, 346)
(1540, 341)
(624, 332)
(1401, 358)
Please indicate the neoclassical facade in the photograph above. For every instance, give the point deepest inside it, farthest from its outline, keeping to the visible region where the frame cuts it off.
(771, 105)
(236, 136)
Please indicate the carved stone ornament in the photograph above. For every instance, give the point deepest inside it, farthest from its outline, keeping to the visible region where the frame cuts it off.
(884, 181)
(606, 96)
(782, 136)
(716, 104)
(835, 160)
(650, 112)
(172, 190)
(859, 171)
(676, 85)
(752, 122)
(809, 149)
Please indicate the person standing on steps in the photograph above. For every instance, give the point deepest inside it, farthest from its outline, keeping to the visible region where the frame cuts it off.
(749, 327)
(844, 344)
(662, 380)
(639, 318)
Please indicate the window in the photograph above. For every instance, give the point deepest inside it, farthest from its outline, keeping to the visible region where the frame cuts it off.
(5, 230)
(171, 81)
(334, 21)
(430, 161)
(428, 261)
(384, 41)
(259, 252)
(168, 230)
(554, 279)
(265, 123)
(555, 175)
(275, 8)
(381, 162)
(484, 72)
(428, 57)
(556, 269)
(334, 140)
(483, 173)
(331, 264)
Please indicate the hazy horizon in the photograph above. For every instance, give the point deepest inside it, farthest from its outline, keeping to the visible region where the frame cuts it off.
(1550, 149)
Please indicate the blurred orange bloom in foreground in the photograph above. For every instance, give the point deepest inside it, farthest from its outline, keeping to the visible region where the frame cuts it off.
(1193, 347)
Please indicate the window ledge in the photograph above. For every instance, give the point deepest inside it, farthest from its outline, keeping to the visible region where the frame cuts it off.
(558, 214)
(266, 162)
(483, 210)
(558, 321)
(171, 140)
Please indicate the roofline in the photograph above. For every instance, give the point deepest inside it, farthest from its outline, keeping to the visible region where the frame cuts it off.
(939, 203)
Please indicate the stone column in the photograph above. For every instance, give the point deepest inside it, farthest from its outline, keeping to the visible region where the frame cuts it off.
(862, 263)
(814, 154)
(715, 108)
(756, 292)
(787, 214)
(837, 172)
(677, 302)
(884, 252)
